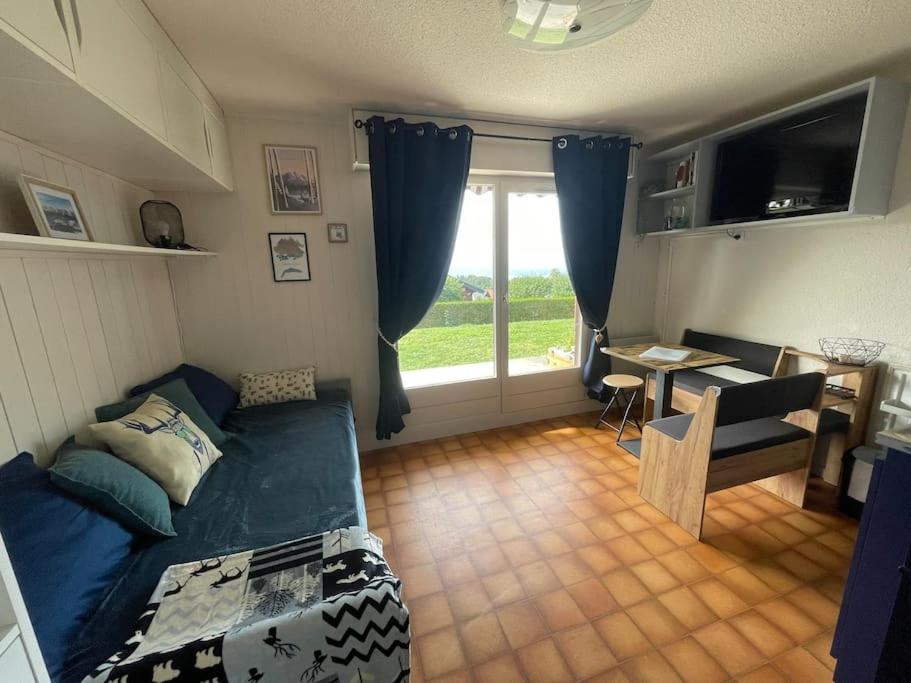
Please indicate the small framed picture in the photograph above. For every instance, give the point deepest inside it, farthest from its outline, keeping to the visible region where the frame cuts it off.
(55, 210)
(338, 232)
(290, 260)
(293, 179)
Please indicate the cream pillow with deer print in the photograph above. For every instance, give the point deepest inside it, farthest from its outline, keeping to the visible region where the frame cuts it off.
(277, 387)
(159, 439)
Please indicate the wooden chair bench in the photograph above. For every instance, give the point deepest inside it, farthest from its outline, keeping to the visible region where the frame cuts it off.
(844, 421)
(736, 435)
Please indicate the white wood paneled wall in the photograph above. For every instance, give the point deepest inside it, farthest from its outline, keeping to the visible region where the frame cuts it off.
(75, 332)
(234, 318)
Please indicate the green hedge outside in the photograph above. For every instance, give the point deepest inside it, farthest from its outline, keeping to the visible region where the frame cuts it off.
(455, 313)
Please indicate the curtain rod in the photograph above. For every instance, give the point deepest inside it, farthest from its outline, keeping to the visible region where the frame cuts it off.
(360, 123)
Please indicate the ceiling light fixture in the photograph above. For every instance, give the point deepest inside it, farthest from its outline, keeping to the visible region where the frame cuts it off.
(550, 25)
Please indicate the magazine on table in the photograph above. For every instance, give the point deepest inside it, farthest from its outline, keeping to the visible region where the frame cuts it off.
(662, 353)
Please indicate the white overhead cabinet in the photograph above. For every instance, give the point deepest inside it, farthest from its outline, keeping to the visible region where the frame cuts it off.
(117, 60)
(186, 120)
(41, 23)
(101, 82)
(218, 148)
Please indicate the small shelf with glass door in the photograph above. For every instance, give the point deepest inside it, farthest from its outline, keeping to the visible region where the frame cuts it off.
(672, 189)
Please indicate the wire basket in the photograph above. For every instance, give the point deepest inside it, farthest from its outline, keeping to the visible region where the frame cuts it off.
(851, 350)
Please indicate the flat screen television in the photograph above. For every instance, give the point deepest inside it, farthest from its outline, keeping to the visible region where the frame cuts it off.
(799, 165)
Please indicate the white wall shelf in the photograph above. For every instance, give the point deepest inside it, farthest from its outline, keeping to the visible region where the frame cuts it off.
(35, 243)
(674, 192)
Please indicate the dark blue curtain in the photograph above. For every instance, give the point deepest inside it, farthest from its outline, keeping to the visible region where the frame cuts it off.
(590, 175)
(418, 174)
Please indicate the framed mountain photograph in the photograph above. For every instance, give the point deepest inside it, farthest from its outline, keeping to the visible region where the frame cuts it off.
(290, 260)
(55, 210)
(293, 179)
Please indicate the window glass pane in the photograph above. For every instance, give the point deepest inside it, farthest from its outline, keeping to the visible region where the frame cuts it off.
(542, 306)
(455, 340)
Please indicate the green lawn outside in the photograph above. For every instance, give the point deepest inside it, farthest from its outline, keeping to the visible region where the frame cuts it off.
(437, 347)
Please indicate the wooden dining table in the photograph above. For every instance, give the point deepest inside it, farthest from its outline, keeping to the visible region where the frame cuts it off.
(664, 370)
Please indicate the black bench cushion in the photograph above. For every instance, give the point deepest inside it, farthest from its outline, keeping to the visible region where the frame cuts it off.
(755, 357)
(738, 438)
(697, 382)
(833, 421)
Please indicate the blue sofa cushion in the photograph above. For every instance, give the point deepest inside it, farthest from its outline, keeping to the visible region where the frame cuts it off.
(115, 487)
(291, 469)
(178, 393)
(214, 394)
(65, 555)
(734, 439)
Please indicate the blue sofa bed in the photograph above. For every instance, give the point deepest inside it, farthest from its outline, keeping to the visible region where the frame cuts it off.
(290, 470)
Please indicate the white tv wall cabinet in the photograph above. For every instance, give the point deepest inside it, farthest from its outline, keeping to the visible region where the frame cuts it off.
(101, 82)
(880, 134)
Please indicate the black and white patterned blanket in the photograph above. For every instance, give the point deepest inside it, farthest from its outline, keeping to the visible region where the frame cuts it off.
(321, 609)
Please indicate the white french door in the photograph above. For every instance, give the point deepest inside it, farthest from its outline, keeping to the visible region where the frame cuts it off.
(506, 327)
(538, 323)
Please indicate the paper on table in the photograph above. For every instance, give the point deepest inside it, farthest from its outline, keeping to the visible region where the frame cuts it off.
(664, 354)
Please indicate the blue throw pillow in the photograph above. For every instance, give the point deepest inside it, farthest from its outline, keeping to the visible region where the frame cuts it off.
(115, 487)
(178, 393)
(65, 555)
(214, 394)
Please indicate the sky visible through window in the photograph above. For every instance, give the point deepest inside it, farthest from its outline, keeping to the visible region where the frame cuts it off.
(535, 244)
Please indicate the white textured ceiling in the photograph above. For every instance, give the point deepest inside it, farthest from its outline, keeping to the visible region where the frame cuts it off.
(685, 64)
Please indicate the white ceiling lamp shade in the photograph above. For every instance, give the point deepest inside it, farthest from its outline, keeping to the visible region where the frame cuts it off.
(551, 25)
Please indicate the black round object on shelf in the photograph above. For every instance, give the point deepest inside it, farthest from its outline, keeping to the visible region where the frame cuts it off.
(162, 224)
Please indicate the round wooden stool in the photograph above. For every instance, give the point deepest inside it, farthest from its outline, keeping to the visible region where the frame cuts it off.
(621, 384)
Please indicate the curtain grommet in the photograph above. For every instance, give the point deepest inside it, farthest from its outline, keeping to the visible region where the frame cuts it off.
(392, 129)
(453, 134)
(420, 132)
(589, 145)
(562, 143)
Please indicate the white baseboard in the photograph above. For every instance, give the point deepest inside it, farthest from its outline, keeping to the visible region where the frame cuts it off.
(367, 441)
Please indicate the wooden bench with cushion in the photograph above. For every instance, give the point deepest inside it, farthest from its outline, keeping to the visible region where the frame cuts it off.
(757, 362)
(738, 434)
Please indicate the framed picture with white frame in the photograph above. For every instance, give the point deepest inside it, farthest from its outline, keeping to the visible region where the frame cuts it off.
(55, 209)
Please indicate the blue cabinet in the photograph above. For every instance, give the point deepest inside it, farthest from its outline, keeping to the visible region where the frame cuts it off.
(870, 637)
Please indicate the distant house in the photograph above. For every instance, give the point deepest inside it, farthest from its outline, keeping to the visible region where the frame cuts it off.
(472, 292)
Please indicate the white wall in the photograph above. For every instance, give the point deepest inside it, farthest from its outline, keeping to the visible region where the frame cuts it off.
(234, 318)
(792, 285)
(75, 331)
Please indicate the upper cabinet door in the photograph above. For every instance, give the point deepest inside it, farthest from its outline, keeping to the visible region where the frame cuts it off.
(116, 59)
(185, 118)
(218, 149)
(42, 22)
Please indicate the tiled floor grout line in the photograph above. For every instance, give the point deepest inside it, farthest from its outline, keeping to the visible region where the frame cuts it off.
(472, 478)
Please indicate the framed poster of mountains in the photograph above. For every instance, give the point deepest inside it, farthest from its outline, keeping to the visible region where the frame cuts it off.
(290, 260)
(293, 180)
(55, 209)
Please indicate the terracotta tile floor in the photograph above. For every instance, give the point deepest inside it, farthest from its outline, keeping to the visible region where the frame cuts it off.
(527, 555)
